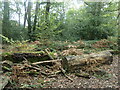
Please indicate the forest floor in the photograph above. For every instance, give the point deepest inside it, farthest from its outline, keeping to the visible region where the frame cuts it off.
(60, 81)
(36, 80)
(110, 81)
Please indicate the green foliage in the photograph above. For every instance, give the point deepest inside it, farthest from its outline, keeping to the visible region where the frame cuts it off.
(113, 39)
(45, 31)
(105, 76)
(6, 39)
(17, 32)
(53, 45)
(93, 21)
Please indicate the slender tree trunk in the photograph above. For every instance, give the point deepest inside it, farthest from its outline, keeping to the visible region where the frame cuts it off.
(5, 22)
(19, 18)
(118, 10)
(18, 11)
(36, 14)
(119, 28)
(47, 13)
(25, 16)
(29, 19)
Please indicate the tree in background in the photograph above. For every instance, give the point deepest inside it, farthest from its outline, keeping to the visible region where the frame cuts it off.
(36, 15)
(56, 21)
(29, 19)
(6, 20)
(25, 14)
(18, 11)
(47, 14)
(93, 21)
(101, 23)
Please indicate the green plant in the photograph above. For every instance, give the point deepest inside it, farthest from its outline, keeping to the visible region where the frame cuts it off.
(113, 39)
(106, 76)
(6, 39)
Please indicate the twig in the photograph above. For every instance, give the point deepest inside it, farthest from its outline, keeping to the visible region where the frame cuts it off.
(25, 59)
(48, 61)
(36, 69)
(63, 71)
(46, 50)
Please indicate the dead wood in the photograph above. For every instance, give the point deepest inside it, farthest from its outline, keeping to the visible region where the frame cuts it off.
(83, 74)
(18, 57)
(47, 62)
(63, 71)
(6, 65)
(69, 63)
(85, 61)
(72, 63)
(57, 62)
(46, 50)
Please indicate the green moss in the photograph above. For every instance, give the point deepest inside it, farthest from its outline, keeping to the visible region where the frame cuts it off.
(33, 57)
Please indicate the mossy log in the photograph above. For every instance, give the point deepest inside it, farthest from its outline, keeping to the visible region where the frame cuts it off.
(32, 57)
(86, 61)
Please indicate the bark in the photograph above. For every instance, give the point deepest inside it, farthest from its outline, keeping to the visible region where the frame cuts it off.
(36, 14)
(18, 11)
(47, 13)
(118, 17)
(47, 62)
(72, 63)
(5, 22)
(29, 19)
(32, 57)
(19, 18)
(25, 16)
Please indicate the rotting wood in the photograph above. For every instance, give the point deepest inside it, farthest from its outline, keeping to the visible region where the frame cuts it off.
(72, 63)
(32, 57)
(50, 61)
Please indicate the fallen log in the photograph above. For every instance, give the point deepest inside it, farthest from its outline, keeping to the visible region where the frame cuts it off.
(83, 62)
(86, 61)
(32, 57)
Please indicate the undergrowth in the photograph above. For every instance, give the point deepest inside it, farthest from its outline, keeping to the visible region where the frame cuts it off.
(55, 46)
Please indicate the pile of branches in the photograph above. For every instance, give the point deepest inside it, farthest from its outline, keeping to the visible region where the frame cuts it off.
(50, 68)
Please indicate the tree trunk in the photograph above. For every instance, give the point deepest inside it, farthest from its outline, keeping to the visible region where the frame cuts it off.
(35, 18)
(29, 19)
(5, 22)
(36, 13)
(25, 16)
(18, 11)
(47, 13)
(72, 63)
